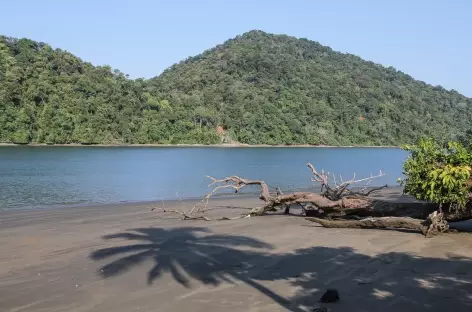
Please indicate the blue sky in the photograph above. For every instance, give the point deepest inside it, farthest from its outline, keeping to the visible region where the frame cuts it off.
(430, 40)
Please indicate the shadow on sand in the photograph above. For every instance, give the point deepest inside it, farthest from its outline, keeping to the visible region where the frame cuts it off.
(385, 282)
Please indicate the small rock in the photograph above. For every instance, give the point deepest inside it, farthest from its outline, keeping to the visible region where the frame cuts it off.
(331, 295)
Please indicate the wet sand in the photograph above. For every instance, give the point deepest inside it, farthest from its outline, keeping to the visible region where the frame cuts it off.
(126, 258)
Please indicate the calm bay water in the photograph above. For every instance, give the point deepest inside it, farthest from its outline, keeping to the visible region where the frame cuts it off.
(34, 177)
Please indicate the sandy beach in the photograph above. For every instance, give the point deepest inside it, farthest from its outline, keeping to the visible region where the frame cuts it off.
(124, 258)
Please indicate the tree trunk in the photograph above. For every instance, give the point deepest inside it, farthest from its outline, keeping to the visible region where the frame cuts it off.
(365, 207)
(432, 226)
(323, 207)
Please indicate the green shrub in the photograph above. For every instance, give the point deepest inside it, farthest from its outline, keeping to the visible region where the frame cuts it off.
(439, 174)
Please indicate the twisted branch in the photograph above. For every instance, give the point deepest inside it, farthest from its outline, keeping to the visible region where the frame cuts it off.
(234, 182)
(338, 191)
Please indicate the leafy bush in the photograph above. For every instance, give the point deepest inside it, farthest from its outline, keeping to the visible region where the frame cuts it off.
(439, 174)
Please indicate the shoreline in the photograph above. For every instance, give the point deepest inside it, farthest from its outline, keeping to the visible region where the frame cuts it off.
(130, 203)
(195, 145)
(391, 193)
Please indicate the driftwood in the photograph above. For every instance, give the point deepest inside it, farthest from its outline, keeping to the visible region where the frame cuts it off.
(433, 225)
(375, 208)
(235, 183)
(332, 200)
(339, 200)
(336, 206)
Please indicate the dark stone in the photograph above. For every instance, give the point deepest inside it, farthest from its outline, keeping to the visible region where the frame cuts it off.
(331, 295)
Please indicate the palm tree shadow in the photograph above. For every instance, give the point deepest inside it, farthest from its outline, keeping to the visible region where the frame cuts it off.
(186, 253)
(404, 280)
(191, 253)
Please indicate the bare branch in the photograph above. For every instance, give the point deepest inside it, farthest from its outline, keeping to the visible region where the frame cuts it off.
(189, 216)
(366, 185)
(339, 189)
(353, 181)
(206, 198)
(184, 215)
(372, 190)
(234, 182)
(322, 177)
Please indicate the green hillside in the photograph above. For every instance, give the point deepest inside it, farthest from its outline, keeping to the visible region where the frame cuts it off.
(52, 96)
(260, 88)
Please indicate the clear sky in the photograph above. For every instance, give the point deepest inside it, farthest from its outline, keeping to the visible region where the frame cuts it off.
(430, 40)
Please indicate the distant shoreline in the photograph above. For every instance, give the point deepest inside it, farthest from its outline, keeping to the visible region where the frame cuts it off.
(195, 145)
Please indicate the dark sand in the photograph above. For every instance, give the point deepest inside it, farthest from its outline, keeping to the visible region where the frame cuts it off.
(126, 258)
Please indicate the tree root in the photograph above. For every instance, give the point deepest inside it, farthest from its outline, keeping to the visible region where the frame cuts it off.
(435, 224)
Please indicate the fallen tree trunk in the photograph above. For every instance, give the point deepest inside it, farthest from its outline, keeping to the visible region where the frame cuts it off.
(332, 204)
(316, 205)
(319, 204)
(432, 226)
(366, 207)
(338, 200)
(371, 223)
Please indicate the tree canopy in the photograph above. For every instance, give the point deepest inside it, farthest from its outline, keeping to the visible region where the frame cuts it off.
(259, 88)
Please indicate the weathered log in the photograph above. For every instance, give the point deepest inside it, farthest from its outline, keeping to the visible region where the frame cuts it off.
(375, 208)
(361, 206)
(374, 223)
(432, 226)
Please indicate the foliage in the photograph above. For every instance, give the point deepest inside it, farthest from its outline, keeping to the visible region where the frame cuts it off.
(466, 139)
(277, 89)
(51, 96)
(439, 174)
(260, 88)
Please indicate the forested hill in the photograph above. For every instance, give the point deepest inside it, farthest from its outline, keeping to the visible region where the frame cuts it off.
(278, 89)
(51, 96)
(259, 88)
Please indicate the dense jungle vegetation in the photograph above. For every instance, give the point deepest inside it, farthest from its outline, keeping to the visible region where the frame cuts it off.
(257, 88)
